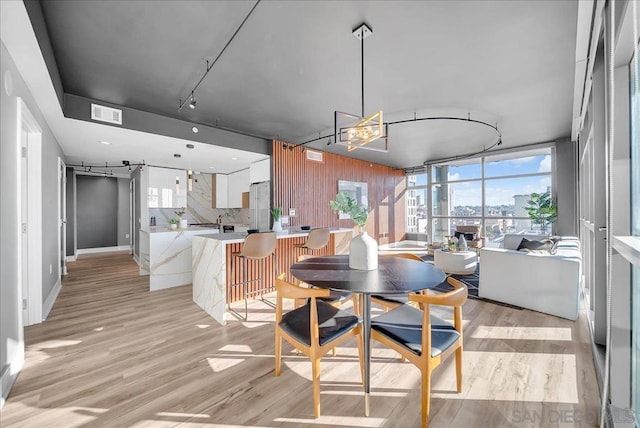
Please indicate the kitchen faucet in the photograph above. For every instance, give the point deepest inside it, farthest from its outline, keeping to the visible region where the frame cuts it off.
(220, 217)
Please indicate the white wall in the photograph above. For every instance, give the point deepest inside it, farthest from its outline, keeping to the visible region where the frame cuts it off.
(10, 326)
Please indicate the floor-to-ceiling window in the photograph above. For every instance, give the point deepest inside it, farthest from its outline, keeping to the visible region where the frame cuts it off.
(635, 228)
(492, 191)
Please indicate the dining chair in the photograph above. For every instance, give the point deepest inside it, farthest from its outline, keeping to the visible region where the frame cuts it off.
(257, 246)
(313, 329)
(335, 298)
(424, 339)
(391, 301)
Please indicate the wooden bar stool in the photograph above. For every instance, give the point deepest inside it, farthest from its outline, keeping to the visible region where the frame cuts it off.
(317, 240)
(257, 246)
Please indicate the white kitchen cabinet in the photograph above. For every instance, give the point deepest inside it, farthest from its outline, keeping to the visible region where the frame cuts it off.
(260, 171)
(238, 184)
(167, 188)
(220, 188)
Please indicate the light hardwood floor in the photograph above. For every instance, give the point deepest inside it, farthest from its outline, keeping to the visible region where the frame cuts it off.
(113, 354)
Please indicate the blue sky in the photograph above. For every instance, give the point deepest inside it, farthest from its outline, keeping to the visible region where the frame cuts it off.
(498, 191)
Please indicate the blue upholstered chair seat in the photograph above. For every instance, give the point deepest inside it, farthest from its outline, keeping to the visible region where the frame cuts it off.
(332, 322)
(404, 325)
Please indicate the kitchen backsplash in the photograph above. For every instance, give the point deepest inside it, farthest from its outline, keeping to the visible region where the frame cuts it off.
(199, 207)
(230, 215)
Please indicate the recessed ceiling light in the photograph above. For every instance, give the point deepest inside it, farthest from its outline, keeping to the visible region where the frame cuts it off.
(190, 146)
(212, 167)
(195, 129)
(234, 158)
(106, 143)
(177, 155)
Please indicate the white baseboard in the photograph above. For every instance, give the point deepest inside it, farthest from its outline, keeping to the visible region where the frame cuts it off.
(51, 299)
(10, 373)
(103, 249)
(70, 258)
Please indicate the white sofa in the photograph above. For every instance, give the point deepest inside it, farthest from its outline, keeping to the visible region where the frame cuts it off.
(538, 281)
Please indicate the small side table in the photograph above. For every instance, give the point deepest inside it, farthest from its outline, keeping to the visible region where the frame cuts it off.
(458, 262)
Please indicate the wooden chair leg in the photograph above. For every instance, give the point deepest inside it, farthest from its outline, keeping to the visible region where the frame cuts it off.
(333, 351)
(356, 310)
(426, 397)
(315, 373)
(278, 354)
(459, 369)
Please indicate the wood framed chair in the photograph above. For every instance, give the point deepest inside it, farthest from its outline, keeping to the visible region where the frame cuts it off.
(391, 301)
(424, 339)
(335, 298)
(313, 329)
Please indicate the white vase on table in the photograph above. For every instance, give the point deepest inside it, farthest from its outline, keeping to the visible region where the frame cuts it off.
(277, 226)
(183, 223)
(462, 243)
(363, 252)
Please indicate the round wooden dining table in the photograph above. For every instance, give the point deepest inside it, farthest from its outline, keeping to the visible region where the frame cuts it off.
(395, 275)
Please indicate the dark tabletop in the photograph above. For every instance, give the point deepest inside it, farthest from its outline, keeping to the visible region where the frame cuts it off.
(394, 275)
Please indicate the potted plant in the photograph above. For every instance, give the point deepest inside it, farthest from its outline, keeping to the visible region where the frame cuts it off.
(276, 212)
(173, 223)
(183, 222)
(363, 249)
(541, 210)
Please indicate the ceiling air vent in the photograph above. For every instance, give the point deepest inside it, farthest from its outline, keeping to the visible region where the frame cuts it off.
(106, 114)
(314, 156)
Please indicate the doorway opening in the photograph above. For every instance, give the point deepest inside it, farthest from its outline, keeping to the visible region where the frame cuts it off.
(30, 216)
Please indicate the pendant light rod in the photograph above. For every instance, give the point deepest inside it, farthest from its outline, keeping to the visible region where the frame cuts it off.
(362, 72)
(361, 32)
(210, 66)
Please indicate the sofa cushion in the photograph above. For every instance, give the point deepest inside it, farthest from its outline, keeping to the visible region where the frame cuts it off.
(512, 242)
(528, 245)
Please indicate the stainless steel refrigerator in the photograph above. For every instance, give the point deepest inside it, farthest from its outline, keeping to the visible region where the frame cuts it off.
(260, 205)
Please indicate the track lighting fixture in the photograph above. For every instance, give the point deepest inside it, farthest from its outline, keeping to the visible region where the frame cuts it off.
(105, 169)
(192, 101)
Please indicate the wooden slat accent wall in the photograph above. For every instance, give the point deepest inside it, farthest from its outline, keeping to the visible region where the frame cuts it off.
(308, 187)
(286, 254)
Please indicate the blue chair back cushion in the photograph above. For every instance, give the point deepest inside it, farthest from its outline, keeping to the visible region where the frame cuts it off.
(333, 322)
(404, 326)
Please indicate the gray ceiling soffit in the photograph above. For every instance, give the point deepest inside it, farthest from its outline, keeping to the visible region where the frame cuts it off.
(34, 10)
(79, 108)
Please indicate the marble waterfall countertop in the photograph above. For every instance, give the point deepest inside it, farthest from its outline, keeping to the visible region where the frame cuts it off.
(294, 232)
(164, 229)
(209, 264)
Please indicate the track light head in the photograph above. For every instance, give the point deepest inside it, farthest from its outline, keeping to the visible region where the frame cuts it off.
(192, 103)
(500, 141)
(329, 141)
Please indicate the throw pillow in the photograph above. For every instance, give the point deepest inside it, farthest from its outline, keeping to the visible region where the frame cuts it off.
(545, 245)
(511, 242)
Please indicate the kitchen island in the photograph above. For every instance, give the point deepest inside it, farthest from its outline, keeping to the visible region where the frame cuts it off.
(165, 254)
(213, 273)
